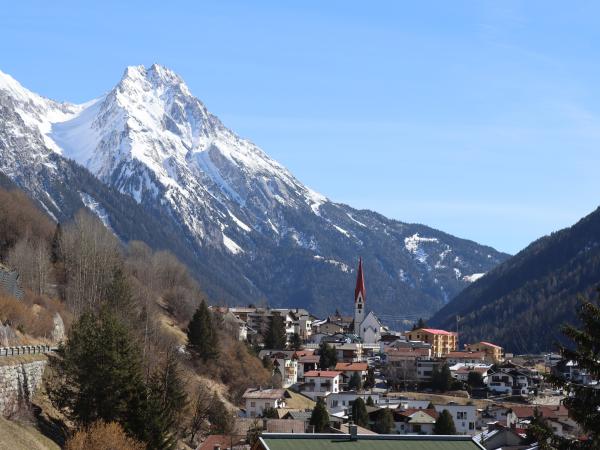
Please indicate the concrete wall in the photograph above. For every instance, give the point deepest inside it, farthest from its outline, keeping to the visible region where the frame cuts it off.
(18, 383)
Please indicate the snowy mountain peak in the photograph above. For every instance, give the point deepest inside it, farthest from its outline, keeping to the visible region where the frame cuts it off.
(156, 77)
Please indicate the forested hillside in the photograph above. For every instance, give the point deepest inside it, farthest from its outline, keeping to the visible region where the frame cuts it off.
(522, 303)
(124, 310)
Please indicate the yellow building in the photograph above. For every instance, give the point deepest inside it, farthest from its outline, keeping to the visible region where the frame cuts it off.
(442, 342)
(493, 352)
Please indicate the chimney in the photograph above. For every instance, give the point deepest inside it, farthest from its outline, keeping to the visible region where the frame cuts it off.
(353, 431)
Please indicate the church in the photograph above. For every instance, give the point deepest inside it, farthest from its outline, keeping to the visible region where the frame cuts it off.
(368, 327)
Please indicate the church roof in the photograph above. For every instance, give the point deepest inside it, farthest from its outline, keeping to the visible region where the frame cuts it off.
(360, 282)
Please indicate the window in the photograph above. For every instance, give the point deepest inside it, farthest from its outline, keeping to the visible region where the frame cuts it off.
(267, 405)
(252, 404)
(334, 404)
(471, 426)
(461, 415)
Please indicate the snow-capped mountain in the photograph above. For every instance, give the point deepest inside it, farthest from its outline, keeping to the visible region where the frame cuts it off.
(256, 231)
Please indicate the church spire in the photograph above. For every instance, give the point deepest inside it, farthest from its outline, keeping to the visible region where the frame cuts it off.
(359, 299)
(360, 283)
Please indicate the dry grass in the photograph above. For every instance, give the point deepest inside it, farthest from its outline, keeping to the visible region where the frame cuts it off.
(16, 436)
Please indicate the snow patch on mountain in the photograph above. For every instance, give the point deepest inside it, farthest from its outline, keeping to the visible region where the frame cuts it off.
(231, 245)
(414, 245)
(473, 277)
(95, 207)
(340, 265)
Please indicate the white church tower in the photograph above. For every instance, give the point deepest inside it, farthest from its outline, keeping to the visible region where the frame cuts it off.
(359, 300)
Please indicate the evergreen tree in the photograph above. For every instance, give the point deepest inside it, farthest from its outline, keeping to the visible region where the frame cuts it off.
(539, 431)
(583, 401)
(320, 417)
(220, 418)
(270, 413)
(420, 324)
(119, 296)
(167, 400)
(275, 337)
(385, 421)
(56, 255)
(441, 379)
(359, 413)
(202, 334)
(296, 342)
(355, 382)
(327, 356)
(475, 379)
(370, 401)
(444, 424)
(100, 374)
(370, 381)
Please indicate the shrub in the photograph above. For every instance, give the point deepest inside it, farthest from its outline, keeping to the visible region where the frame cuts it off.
(103, 436)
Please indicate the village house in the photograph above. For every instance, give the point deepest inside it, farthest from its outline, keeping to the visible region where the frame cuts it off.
(307, 361)
(415, 421)
(425, 368)
(234, 326)
(357, 441)
(461, 371)
(349, 369)
(257, 400)
(442, 342)
(320, 383)
(464, 416)
(493, 352)
(340, 403)
(458, 357)
(285, 363)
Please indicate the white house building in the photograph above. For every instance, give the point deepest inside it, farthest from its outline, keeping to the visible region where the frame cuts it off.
(464, 417)
(320, 383)
(257, 400)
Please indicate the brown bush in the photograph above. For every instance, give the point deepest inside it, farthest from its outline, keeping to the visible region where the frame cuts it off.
(33, 314)
(103, 436)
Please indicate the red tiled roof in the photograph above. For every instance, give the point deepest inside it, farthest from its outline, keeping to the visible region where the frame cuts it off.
(410, 411)
(490, 344)
(465, 355)
(322, 373)
(548, 412)
(349, 367)
(309, 359)
(220, 440)
(436, 331)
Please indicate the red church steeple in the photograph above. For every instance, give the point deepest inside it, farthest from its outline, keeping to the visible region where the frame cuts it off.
(360, 283)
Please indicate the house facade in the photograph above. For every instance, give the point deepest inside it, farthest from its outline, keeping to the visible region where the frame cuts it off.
(257, 400)
(442, 342)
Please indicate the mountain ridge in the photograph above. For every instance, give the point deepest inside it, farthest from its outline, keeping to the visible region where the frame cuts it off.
(522, 302)
(152, 140)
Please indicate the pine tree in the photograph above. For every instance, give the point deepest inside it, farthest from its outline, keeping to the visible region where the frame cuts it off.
(355, 382)
(359, 412)
(202, 334)
(370, 381)
(119, 296)
(100, 374)
(296, 342)
(56, 255)
(275, 337)
(327, 356)
(441, 379)
(583, 401)
(475, 379)
(166, 403)
(221, 420)
(370, 401)
(385, 421)
(444, 424)
(320, 417)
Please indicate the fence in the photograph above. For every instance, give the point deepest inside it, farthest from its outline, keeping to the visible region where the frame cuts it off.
(26, 350)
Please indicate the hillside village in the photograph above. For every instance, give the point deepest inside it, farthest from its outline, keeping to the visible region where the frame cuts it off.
(296, 373)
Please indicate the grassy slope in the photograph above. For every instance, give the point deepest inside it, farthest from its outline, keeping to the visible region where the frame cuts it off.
(15, 436)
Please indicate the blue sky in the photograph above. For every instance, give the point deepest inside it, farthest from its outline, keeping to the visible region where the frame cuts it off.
(478, 118)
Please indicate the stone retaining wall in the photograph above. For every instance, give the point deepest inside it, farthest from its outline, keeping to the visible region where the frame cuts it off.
(18, 383)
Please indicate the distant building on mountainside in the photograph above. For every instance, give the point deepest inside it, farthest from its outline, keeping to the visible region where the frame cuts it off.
(493, 352)
(442, 341)
(10, 282)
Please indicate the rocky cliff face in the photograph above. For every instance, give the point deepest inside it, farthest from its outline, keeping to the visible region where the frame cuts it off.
(18, 383)
(250, 230)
